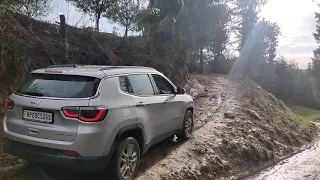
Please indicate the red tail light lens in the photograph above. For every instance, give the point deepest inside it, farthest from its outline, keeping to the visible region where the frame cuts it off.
(86, 114)
(93, 115)
(9, 105)
(71, 113)
(71, 153)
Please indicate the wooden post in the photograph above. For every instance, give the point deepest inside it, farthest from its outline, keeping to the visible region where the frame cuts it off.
(63, 33)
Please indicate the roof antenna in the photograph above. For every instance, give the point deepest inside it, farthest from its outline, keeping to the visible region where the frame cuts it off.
(74, 62)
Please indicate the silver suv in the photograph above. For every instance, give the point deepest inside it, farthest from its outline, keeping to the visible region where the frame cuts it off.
(87, 117)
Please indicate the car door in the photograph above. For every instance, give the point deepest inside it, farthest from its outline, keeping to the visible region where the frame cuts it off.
(173, 105)
(149, 108)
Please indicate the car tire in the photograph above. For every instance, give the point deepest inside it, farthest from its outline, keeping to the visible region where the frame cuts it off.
(125, 162)
(187, 127)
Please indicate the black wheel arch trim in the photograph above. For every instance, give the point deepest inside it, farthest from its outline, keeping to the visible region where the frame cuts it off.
(126, 129)
(129, 128)
(190, 106)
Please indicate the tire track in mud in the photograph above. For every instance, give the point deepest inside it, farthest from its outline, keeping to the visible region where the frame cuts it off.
(208, 93)
(208, 96)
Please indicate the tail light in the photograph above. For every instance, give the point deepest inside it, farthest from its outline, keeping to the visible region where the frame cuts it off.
(86, 114)
(71, 153)
(9, 105)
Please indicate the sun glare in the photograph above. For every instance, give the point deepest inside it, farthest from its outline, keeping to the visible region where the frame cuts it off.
(284, 11)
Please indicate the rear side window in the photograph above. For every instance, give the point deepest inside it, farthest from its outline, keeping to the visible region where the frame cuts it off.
(125, 84)
(136, 84)
(61, 86)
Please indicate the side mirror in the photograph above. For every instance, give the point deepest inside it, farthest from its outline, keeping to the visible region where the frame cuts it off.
(181, 90)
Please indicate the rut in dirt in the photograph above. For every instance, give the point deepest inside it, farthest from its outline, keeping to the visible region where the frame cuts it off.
(249, 129)
(208, 94)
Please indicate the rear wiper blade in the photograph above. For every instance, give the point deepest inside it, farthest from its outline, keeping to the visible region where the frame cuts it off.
(33, 93)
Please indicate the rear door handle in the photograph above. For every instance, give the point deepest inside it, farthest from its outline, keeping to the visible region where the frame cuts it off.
(140, 104)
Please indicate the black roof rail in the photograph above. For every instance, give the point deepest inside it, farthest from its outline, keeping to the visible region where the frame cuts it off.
(97, 66)
(123, 67)
(63, 65)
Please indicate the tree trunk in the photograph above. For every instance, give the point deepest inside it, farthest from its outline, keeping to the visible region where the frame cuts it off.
(124, 37)
(201, 61)
(97, 22)
(63, 33)
(126, 32)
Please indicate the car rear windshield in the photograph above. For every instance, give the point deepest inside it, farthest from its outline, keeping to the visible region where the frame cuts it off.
(61, 86)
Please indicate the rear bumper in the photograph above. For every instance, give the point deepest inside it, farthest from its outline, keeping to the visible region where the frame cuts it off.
(85, 142)
(48, 156)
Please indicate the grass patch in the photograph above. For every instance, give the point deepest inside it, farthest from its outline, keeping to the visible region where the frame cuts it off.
(306, 115)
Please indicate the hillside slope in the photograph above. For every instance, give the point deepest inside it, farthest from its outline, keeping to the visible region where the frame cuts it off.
(28, 44)
(259, 130)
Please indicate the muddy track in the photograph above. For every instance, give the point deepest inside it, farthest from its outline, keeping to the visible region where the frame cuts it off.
(208, 99)
(209, 96)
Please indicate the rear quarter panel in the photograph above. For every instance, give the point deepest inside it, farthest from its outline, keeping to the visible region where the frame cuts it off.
(120, 112)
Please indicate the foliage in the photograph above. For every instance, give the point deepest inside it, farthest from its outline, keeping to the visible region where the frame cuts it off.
(258, 53)
(185, 25)
(247, 12)
(315, 66)
(295, 86)
(187, 35)
(125, 13)
(306, 115)
(25, 48)
(30, 8)
(96, 7)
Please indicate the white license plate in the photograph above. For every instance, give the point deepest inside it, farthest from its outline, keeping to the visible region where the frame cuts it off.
(42, 117)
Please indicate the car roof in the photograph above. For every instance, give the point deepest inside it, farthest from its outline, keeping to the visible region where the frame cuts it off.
(94, 71)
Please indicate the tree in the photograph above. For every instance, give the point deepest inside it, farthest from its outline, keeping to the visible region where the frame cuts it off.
(95, 7)
(185, 24)
(30, 8)
(247, 11)
(219, 38)
(36, 8)
(125, 13)
(316, 59)
(8, 4)
(272, 36)
(259, 48)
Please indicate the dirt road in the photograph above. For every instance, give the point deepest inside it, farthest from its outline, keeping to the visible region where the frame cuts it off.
(239, 127)
(208, 95)
(305, 165)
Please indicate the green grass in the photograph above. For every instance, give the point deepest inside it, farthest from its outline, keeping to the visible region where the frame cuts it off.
(305, 115)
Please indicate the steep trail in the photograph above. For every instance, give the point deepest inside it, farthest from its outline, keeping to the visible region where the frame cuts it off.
(239, 128)
(208, 92)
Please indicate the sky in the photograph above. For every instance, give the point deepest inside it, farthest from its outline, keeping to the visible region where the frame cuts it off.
(77, 18)
(297, 22)
(295, 18)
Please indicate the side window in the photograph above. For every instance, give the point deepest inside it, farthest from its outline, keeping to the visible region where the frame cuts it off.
(125, 85)
(163, 85)
(141, 84)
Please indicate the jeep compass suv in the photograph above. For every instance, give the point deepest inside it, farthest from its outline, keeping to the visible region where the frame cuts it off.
(86, 117)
